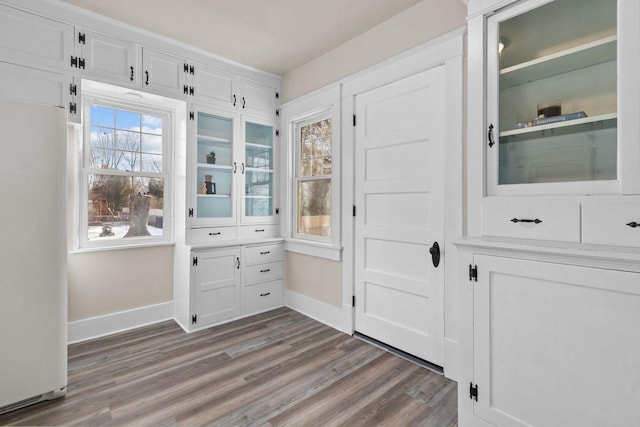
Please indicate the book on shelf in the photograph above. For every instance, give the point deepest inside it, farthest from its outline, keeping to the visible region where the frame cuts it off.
(553, 119)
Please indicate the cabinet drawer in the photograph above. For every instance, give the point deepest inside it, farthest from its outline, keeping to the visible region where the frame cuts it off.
(263, 272)
(611, 224)
(252, 232)
(211, 235)
(262, 254)
(529, 219)
(263, 296)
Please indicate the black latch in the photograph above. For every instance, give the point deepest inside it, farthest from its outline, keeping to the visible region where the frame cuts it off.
(82, 38)
(191, 115)
(73, 89)
(195, 260)
(194, 319)
(191, 213)
(473, 273)
(473, 391)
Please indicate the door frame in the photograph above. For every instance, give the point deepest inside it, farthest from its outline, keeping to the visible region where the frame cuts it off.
(447, 50)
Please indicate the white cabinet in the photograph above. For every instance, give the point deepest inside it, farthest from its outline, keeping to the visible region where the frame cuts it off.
(108, 59)
(256, 98)
(216, 293)
(548, 342)
(552, 109)
(25, 84)
(35, 41)
(163, 74)
(231, 174)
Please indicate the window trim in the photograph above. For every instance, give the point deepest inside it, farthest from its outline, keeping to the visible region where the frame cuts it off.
(324, 102)
(89, 98)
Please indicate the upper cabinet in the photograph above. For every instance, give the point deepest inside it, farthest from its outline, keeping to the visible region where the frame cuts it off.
(553, 107)
(552, 104)
(109, 59)
(164, 74)
(32, 40)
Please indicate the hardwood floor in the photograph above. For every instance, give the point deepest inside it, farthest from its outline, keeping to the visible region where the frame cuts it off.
(279, 368)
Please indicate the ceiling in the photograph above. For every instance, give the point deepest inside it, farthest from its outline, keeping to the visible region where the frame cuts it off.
(277, 36)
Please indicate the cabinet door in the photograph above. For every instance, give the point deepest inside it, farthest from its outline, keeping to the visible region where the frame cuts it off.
(214, 87)
(257, 170)
(38, 87)
(552, 117)
(256, 98)
(33, 40)
(163, 73)
(215, 167)
(216, 287)
(555, 345)
(109, 59)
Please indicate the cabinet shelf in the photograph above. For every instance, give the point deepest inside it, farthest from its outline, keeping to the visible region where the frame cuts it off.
(208, 196)
(214, 166)
(261, 146)
(568, 60)
(569, 126)
(207, 138)
(258, 197)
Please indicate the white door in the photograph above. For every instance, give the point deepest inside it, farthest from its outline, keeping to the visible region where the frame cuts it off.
(163, 73)
(399, 193)
(109, 58)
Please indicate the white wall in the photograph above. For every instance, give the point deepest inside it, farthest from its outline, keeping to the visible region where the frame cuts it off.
(416, 25)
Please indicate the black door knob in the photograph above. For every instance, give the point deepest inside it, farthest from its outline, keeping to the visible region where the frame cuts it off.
(435, 254)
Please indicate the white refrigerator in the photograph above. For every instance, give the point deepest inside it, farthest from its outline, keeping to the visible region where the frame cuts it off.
(33, 254)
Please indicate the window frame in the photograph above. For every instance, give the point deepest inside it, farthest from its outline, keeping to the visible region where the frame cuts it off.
(89, 99)
(308, 109)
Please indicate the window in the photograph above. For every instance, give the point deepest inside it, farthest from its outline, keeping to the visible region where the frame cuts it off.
(125, 174)
(314, 177)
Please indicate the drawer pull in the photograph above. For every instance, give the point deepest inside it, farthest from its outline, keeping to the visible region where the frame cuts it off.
(633, 224)
(259, 230)
(265, 253)
(266, 294)
(535, 221)
(266, 270)
(215, 234)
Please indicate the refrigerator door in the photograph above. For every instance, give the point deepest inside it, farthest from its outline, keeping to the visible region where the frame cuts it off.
(33, 252)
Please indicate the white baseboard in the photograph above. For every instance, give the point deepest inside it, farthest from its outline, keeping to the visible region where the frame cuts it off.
(451, 359)
(322, 312)
(94, 327)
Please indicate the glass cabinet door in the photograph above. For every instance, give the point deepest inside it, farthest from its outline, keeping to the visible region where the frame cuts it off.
(258, 169)
(215, 166)
(552, 93)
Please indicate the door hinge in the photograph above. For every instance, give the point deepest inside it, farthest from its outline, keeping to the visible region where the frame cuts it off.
(353, 301)
(354, 120)
(73, 89)
(354, 210)
(74, 61)
(191, 91)
(277, 112)
(473, 391)
(191, 213)
(277, 211)
(192, 116)
(82, 38)
(194, 319)
(277, 132)
(81, 63)
(473, 273)
(72, 108)
(195, 261)
(277, 95)
(192, 69)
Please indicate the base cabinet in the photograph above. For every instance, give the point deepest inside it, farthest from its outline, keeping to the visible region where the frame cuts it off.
(547, 343)
(226, 283)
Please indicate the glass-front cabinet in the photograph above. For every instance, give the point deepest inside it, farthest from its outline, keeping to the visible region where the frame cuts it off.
(552, 107)
(233, 169)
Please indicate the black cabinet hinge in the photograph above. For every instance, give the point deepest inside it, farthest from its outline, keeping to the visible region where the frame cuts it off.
(192, 69)
(73, 109)
(195, 261)
(354, 120)
(473, 391)
(353, 301)
(185, 67)
(81, 63)
(73, 89)
(277, 112)
(354, 210)
(277, 132)
(277, 211)
(191, 213)
(74, 61)
(194, 319)
(192, 116)
(82, 37)
(277, 95)
(473, 273)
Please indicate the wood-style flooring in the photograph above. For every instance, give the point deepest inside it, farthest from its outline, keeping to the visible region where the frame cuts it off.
(278, 368)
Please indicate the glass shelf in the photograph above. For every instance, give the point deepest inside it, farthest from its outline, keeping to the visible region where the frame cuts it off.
(569, 126)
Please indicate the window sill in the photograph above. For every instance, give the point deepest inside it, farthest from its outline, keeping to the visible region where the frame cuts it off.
(318, 250)
(120, 247)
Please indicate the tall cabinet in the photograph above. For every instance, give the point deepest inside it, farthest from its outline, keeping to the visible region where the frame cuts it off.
(549, 274)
